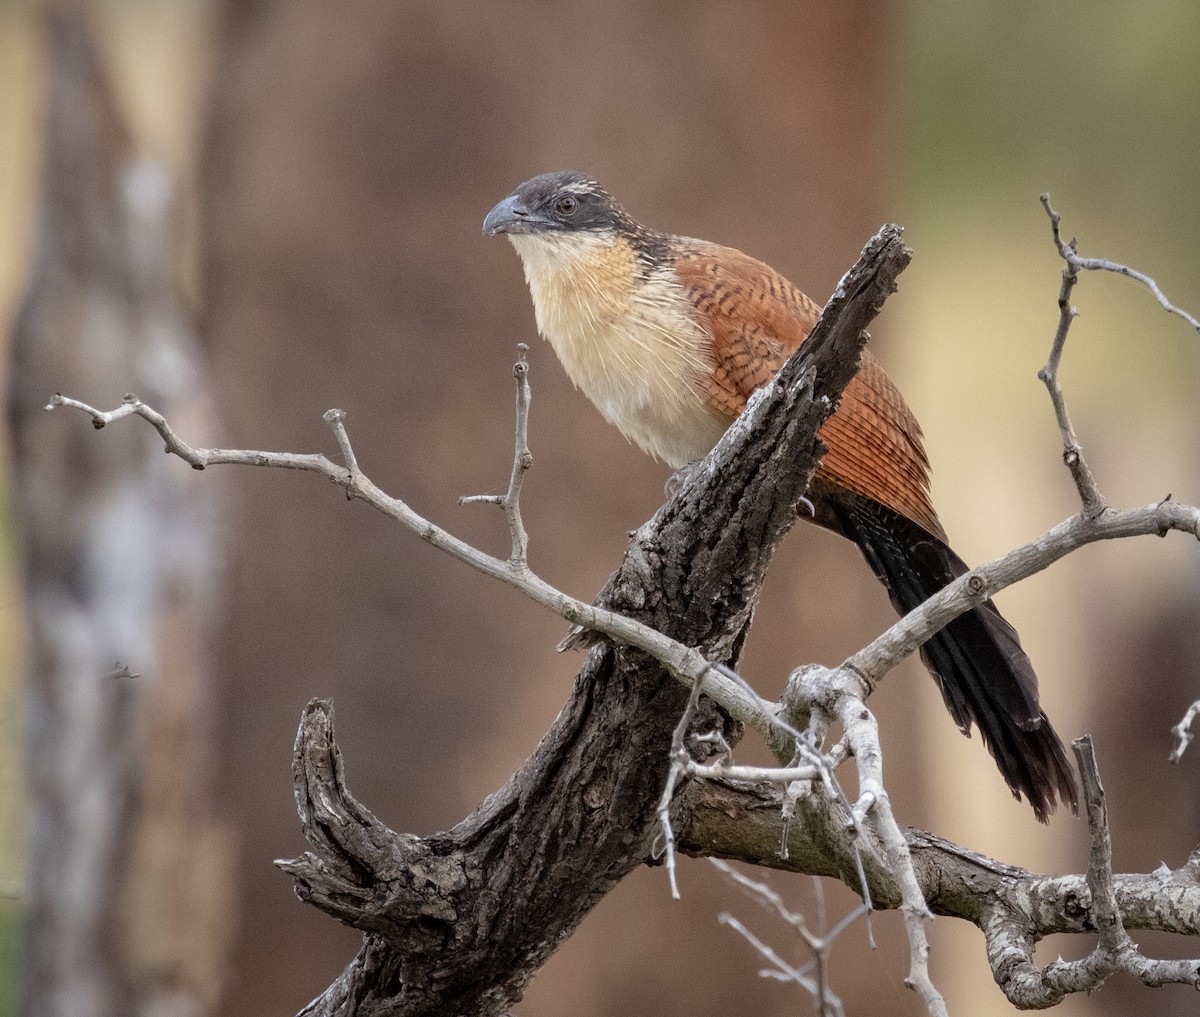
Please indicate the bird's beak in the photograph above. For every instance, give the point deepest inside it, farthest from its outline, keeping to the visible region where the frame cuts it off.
(511, 216)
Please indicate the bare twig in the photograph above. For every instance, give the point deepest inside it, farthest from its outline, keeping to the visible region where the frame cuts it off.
(1114, 940)
(768, 774)
(819, 944)
(336, 419)
(784, 971)
(685, 662)
(1183, 732)
(1093, 501)
(1067, 251)
(510, 501)
(680, 760)
(1085, 483)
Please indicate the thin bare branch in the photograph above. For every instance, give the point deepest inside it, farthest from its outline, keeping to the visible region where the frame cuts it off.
(683, 661)
(336, 419)
(1106, 914)
(510, 501)
(819, 944)
(1085, 483)
(680, 760)
(768, 774)
(1068, 253)
(779, 967)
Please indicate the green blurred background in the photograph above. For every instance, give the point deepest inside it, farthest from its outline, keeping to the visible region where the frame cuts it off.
(335, 168)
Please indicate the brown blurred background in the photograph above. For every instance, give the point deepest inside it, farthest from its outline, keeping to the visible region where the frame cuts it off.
(333, 164)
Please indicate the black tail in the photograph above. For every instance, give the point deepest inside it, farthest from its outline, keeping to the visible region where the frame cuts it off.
(985, 677)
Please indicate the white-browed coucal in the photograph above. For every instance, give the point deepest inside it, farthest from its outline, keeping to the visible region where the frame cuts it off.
(668, 336)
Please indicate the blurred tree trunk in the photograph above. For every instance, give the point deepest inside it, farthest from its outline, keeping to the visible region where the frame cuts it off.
(127, 866)
(351, 155)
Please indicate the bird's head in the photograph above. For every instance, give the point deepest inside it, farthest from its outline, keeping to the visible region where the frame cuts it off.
(558, 203)
(565, 222)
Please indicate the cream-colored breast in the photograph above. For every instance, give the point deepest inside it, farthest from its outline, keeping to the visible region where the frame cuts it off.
(628, 344)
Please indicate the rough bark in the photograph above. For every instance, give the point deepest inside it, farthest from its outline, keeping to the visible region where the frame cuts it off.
(741, 822)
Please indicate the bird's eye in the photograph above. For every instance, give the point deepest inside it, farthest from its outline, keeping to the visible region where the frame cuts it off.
(566, 204)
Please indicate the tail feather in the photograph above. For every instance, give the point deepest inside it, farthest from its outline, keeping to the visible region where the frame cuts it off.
(985, 677)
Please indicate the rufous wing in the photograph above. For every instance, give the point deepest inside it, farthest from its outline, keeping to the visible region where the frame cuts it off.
(755, 320)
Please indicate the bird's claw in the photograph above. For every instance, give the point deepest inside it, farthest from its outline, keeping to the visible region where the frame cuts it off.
(677, 479)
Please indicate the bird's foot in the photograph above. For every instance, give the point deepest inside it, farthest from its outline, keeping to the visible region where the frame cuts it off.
(678, 478)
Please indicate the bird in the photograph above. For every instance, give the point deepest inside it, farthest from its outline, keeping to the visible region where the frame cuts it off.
(668, 336)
